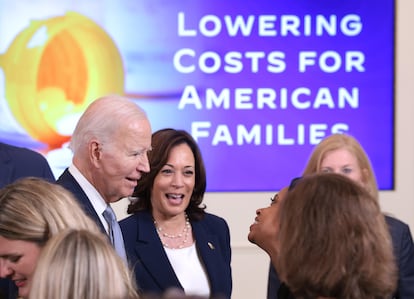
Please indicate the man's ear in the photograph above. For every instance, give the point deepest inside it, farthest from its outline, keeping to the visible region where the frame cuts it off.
(94, 152)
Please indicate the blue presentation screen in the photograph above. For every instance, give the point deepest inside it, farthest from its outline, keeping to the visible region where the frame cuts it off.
(257, 83)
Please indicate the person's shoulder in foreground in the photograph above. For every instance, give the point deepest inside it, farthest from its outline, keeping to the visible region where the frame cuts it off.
(17, 162)
(57, 276)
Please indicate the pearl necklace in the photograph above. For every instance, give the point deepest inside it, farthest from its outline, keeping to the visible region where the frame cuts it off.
(184, 233)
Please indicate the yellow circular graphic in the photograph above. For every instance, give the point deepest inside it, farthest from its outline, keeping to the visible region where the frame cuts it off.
(54, 69)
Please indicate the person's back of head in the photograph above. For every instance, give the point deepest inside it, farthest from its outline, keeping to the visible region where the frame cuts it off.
(33, 209)
(81, 264)
(333, 241)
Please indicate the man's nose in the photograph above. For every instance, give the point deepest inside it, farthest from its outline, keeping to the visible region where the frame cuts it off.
(144, 165)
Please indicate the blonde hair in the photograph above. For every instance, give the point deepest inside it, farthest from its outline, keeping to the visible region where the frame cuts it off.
(79, 264)
(33, 209)
(333, 241)
(343, 141)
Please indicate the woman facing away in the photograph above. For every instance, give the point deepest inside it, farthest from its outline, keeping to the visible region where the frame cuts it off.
(343, 154)
(32, 210)
(328, 239)
(171, 242)
(80, 264)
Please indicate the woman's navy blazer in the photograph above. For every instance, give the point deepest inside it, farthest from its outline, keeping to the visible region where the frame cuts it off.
(153, 271)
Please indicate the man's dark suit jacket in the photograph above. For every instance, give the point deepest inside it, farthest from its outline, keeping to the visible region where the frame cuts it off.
(18, 162)
(68, 181)
(153, 271)
(404, 254)
(15, 163)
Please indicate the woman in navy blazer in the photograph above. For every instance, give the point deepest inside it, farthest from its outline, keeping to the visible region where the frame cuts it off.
(343, 154)
(171, 242)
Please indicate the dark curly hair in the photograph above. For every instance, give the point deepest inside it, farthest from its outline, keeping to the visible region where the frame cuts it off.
(163, 141)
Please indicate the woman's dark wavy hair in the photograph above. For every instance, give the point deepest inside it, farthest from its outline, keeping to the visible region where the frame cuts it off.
(163, 141)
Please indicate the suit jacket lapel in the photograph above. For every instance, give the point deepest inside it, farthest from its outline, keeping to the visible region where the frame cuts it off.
(209, 253)
(68, 181)
(151, 253)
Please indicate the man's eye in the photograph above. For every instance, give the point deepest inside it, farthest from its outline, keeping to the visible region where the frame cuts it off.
(142, 153)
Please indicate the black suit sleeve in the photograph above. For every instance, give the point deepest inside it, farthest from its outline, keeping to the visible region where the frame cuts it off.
(406, 266)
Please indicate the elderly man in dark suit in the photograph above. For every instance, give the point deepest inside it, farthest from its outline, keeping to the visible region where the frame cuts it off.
(110, 145)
